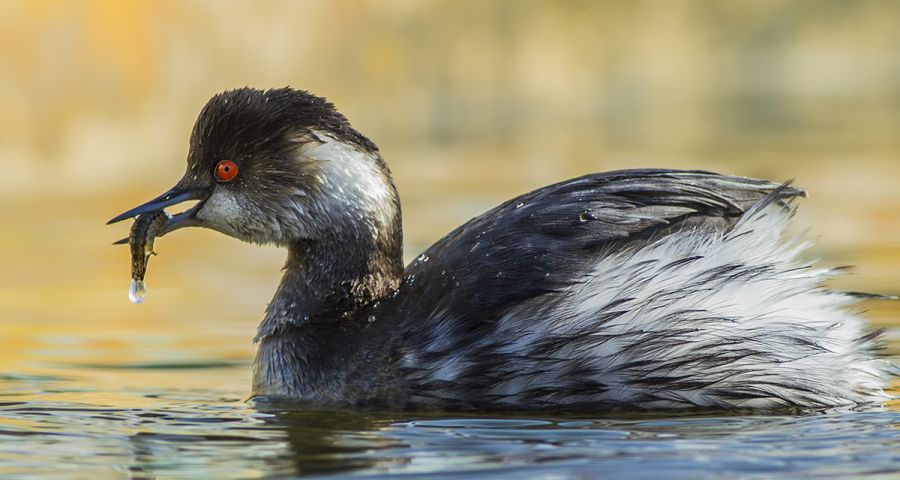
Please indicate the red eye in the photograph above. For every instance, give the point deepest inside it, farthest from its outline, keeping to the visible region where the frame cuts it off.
(226, 170)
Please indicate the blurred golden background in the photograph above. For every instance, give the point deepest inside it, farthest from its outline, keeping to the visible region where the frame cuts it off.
(471, 102)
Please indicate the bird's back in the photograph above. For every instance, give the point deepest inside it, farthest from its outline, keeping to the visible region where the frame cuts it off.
(646, 288)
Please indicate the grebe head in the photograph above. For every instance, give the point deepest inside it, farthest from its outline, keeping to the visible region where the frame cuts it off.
(280, 167)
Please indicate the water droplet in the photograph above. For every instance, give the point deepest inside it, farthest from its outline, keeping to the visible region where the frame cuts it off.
(586, 216)
(520, 205)
(422, 258)
(371, 318)
(136, 291)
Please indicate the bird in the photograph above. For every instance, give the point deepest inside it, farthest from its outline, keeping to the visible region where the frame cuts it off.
(634, 289)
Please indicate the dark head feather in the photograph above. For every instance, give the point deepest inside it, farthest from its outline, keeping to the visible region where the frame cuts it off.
(247, 121)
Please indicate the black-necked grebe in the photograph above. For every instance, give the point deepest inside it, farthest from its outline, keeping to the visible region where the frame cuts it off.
(635, 288)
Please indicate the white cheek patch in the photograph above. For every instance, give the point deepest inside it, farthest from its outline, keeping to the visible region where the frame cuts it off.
(221, 211)
(353, 182)
(236, 216)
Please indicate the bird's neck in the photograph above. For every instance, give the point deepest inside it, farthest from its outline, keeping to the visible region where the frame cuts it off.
(315, 322)
(327, 282)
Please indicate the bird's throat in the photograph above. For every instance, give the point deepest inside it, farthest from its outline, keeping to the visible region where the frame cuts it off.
(326, 289)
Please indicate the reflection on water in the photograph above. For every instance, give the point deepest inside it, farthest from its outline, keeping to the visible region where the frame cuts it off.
(189, 434)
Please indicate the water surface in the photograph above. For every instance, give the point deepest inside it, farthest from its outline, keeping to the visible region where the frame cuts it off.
(209, 433)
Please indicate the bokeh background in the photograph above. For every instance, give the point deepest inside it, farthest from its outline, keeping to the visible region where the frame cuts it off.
(471, 102)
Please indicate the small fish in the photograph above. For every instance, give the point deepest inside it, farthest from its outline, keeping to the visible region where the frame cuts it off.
(146, 228)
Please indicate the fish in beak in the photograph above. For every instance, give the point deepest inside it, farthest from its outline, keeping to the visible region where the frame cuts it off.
(173, 197)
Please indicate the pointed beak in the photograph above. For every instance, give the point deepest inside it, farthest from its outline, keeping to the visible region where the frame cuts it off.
(172, 197)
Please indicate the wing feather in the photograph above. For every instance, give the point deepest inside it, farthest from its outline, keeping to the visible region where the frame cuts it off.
(543, 241)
